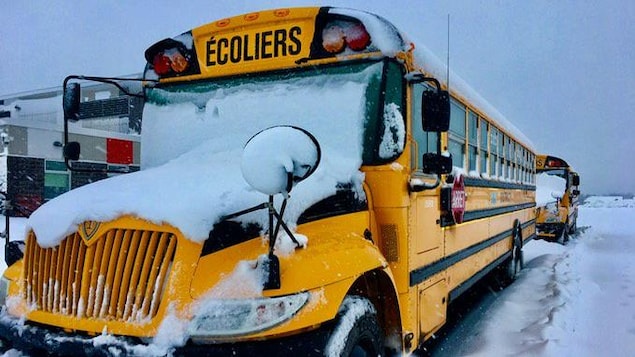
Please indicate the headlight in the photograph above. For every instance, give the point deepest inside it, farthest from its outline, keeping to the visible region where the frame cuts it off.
(4, 289)
(224, 318)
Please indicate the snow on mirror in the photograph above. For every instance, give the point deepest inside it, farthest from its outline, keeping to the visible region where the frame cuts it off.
(277, 158)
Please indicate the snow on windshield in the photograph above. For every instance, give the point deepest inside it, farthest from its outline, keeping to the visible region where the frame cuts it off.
(191, 155)
(548, 187)
(394, 132)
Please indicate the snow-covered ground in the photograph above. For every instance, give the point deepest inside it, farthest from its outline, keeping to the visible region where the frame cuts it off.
(573, 300)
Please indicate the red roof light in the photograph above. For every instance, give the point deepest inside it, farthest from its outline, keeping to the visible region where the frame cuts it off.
(161, 64)
(171, 57)
(357, 37)
(339, 35)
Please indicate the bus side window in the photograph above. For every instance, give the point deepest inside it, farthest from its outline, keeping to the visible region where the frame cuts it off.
(456, 135)
(483, 146)
(426, 141)
(472, 120)
(494, 170)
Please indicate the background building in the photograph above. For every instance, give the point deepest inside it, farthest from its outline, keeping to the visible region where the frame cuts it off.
(32, 168)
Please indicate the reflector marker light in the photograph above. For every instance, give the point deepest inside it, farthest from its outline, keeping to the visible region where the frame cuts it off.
(281, 13)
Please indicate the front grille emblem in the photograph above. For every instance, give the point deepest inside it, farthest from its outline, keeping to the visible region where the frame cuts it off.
(88, 229)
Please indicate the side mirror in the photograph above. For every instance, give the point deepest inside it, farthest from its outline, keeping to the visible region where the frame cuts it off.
(576, 180)
(435, 110)
(277, 158)
(71, 101)
(72, 150)
(13, 252)
(576, 192)
(436, 164)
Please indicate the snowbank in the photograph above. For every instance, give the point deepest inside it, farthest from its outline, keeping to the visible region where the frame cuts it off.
(608, 202)
(573, 300)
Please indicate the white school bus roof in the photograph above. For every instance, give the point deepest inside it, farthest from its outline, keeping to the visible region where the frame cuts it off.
(434, 67)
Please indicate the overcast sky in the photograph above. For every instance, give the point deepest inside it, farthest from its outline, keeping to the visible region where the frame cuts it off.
(562, 71)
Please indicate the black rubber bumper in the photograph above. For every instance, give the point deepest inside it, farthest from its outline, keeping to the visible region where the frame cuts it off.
(40, 341)
(555, 229)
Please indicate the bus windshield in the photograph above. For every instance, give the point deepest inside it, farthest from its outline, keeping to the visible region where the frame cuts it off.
(193, 135)
(550, 186)
(339, 105)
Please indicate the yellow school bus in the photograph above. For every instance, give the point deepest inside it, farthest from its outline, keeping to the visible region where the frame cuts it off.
(557, 197)
(309, 185)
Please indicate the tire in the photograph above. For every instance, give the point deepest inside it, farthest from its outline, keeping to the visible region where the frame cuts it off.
(357, 332)
(563, 238)
(574, 227)
(511, 267)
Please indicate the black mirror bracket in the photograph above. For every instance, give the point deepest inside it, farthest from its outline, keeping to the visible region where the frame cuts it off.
(13, 250)
(71, 103)
(273, 263)
(417, 185)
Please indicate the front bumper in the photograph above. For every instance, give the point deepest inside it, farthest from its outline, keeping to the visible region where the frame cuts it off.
(549, 231)
(39, 340)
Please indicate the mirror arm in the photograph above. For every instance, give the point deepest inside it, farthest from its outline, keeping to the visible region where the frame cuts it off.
(245, 211)
(109, 80)
(284, 226)
(425, 186)
(273, 232)
(420, 78)
(113, 81)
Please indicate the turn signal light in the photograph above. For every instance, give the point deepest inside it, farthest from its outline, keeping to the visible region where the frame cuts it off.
(333, 39)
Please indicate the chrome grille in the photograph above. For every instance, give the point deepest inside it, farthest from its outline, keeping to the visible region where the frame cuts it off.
(121, 276)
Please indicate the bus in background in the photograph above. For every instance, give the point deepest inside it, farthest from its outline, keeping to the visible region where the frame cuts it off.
(308, 185)
(557, 197)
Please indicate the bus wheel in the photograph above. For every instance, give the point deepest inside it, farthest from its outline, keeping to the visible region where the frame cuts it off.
(574, 227)
(514, 264)
(563, 238)
(357, 332)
